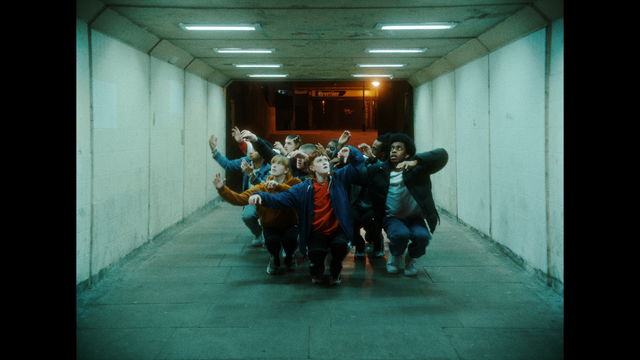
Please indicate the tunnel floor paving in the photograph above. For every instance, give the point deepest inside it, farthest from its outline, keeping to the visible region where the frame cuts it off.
(203, 293)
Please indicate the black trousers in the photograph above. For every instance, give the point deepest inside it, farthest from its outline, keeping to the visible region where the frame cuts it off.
(364, 218)
(320, 245)
(276, 239)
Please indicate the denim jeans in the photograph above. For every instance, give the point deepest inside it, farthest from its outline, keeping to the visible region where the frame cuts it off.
(411, 233)
(250, 218)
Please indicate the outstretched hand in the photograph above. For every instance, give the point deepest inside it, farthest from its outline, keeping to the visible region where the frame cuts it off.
(344, 154)
(406, 165)
(271, 184)
(213, 143)
(218, 181)
(248, 135)
(344, 138)
(366, 150)
(236, 133)
(255, 200)
(278, 146)
(247, 168)
(298, 154)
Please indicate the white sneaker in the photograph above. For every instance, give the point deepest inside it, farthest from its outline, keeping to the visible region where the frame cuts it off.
(337, 281)
(410, 267)
(393, 264)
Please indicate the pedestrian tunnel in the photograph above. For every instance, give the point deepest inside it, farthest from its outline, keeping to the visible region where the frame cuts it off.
(150, 93)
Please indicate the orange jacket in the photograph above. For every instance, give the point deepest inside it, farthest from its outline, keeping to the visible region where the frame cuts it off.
(268, 217)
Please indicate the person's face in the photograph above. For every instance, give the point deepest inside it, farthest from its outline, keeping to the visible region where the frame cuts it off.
(331, 146)
(320, 165)
(278, 169)
(398, 152)
(289, 145)
(376, 148)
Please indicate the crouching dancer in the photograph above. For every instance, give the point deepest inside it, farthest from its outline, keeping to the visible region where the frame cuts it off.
(279, 227)
(324, 213)
(400, 189)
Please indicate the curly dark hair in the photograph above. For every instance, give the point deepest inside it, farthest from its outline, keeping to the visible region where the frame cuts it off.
(403, 138)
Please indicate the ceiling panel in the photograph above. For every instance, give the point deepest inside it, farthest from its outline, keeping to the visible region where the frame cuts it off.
(285, 4)
(317, 40)
(317, 24)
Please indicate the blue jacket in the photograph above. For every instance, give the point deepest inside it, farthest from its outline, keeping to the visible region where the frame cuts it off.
(261, 174)
(300, 197)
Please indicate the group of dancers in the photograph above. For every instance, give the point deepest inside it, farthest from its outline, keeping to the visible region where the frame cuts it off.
(303, 201)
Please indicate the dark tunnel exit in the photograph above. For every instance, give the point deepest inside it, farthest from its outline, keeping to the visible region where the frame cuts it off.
(318, 111)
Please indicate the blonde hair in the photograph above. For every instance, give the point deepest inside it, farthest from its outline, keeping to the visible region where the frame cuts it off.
(283, 160)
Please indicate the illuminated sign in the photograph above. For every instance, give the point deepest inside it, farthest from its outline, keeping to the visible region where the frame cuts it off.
(330, 93)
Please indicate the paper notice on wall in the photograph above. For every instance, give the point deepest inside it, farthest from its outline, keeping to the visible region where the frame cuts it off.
(105, 101)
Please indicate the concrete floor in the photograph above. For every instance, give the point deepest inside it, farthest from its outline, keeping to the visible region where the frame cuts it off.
(203, 293)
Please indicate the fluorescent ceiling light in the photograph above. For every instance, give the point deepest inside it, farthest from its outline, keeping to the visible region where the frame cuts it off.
(391, 51)
(257, 66)
(222, 27)
(381, 65)
(419, 26)
(267, 75)
(373, 75)
(243, 51)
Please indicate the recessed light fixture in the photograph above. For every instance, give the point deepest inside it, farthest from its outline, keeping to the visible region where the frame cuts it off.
(243, 51)
(220, 27)
(376, 83)
(417, 26)
(268, 75)
(381, 65)
(257, 65)
(395, 51)
(373, 75)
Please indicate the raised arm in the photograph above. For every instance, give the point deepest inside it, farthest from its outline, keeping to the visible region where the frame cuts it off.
(221, 159)
(260, 145)
(432, 161)
(355, 161)
(231, 196)
(343, 139)
(282, 200)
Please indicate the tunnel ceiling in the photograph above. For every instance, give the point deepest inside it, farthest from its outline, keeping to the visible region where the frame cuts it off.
(322, 40)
